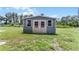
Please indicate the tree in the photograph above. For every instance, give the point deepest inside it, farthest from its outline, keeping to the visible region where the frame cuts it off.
(20, 19)
(2, 19)
(70, 21)
(8, 17)
(63, 20)
(11, 18)
(14, 17)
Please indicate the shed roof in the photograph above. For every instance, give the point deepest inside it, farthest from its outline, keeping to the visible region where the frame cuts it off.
(35, 17)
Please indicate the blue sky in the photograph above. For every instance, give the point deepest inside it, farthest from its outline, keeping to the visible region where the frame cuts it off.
(48, 11)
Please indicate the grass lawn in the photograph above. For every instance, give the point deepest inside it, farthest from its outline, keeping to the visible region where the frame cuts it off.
(67, 39)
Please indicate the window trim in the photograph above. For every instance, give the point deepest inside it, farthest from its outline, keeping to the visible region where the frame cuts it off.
(29, 23)
(49, 23)
(36, 24)
(42, 24)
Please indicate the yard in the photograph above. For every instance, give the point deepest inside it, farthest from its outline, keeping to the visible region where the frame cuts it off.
(66, 39)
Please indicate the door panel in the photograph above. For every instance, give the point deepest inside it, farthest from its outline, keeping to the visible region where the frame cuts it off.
(40, 28)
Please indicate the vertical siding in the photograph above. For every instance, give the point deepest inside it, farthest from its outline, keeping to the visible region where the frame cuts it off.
(27, 29)
(51, 29)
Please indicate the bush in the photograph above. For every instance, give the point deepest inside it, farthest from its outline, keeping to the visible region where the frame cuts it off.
(63, 26)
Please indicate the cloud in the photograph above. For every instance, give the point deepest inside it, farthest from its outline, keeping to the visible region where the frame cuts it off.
(26, 10)
(25, 13)
(17, 8)
(30, 10)
(20, 10)
(54, 16)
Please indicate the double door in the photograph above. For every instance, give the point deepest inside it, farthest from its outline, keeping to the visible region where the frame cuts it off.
(39, 26)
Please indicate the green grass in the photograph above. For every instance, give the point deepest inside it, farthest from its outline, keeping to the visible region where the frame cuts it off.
(68, 39)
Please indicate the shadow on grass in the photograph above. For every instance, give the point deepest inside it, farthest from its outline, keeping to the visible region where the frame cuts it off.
(41, 33)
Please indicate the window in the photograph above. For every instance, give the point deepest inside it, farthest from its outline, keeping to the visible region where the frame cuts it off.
(42, 24)
(29, 23)
(36, 24)
(49, 23)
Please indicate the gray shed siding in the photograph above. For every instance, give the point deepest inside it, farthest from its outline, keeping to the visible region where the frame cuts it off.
(27, 29)
(51, 30)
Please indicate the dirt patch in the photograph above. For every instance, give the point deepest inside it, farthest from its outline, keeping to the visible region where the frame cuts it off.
(2, 42)
(18, 40)
(56, 46)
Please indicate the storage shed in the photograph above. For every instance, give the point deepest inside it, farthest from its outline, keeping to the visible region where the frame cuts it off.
(39, 24)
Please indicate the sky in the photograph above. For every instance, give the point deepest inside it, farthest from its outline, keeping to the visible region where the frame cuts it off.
(47, 11)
